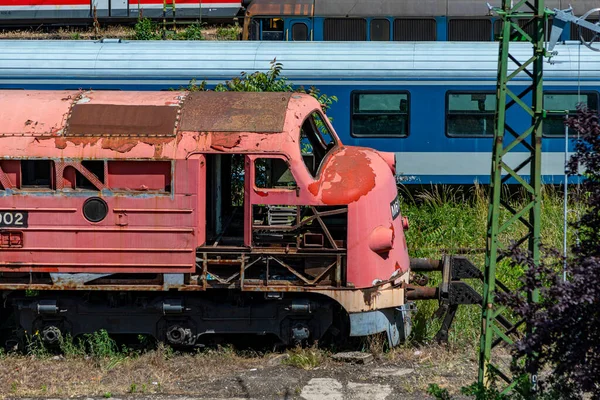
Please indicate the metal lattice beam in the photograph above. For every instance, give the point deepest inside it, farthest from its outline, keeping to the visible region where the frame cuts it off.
(526, 97)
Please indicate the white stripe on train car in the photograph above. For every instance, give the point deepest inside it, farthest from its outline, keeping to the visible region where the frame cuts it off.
(470, 163)
(47, 7)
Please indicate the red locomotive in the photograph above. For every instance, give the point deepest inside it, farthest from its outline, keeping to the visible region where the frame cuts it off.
(183, 215)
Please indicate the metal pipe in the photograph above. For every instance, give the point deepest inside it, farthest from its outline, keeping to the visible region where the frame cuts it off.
(425, 264)
(422, 293)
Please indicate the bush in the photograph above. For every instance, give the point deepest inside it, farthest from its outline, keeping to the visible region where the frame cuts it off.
(145, 29)
(192, 32)
(270, 81)
(565, 323)
(231, 32)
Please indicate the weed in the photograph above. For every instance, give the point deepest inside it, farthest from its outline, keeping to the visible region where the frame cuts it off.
(133, 388)
(438, 392)
(100, 345)
(231, 32)
(305, 358)
(107, 395)
(70, 347)
(75, 36)
(145, 29)
(191, 32)
(14, 386)
(44, 388)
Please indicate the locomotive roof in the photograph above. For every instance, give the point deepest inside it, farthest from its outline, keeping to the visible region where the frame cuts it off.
(386, 8)
(149, 124)
(139, 114)
(174, 63)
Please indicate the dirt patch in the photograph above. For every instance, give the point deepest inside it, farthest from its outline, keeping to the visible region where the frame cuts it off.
(401, 373)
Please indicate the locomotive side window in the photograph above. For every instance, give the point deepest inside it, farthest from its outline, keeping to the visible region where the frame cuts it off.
(406, 29)
(273, 173)
(379, 114)
(272, 29)
(470, 30)
(36, 174)
(315, 141)
(345, 29)
(470, 114)
(558, 102)
(380, 30)
(299, 32)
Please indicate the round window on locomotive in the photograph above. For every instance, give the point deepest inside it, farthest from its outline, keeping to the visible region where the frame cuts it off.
(95, 209)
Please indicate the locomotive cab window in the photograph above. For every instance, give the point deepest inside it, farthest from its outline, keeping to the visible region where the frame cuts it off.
(273, 173)
(380, 30)
(380, 114)
(36, 174)
(470, 114)
(315, 141)
(556, 103)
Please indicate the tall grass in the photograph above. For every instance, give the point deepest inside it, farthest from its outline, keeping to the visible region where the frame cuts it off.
(452, 220)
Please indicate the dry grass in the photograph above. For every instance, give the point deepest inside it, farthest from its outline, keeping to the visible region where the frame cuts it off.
(154, 372)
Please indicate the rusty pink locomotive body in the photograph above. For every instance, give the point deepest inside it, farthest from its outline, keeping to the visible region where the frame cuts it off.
(186, 214)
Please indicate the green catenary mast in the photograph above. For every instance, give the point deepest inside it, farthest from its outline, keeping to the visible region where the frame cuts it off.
(522, 21)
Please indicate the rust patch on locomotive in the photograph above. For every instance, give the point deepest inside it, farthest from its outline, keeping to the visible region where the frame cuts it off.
(347, 178)
(119, 120)
(234, 112)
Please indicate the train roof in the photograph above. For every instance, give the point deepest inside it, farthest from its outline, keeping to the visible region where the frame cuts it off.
(391, 8)
(86, 63)
(148, 124)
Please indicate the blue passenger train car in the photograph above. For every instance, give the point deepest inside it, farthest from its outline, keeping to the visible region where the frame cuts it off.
(431, 103)
(387, 20)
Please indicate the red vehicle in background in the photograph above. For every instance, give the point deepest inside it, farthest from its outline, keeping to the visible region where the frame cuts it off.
(73, 12)
(183, 215)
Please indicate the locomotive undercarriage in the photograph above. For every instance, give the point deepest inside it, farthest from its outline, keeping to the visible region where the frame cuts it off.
(181, 320)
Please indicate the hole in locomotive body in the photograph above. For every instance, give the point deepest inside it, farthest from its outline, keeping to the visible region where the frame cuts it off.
(225, 200)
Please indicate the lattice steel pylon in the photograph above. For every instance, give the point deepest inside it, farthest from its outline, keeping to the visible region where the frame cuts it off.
(516, 157)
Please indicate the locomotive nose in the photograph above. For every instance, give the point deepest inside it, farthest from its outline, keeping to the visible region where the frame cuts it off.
(390, 159)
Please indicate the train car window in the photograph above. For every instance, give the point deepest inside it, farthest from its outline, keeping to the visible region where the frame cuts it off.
(344, 29)
(273, 173)
(556, 103)
(476, 30)
(139, 176)
(379, 114)
(272, 29)
(380, 30)
(406, 29)
(299, 32)
(470, 114)
(36, 174)
(315, 142)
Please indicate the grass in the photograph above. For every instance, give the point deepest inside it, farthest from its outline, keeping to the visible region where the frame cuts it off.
(150, 31)
(305, 357)
(450, 220)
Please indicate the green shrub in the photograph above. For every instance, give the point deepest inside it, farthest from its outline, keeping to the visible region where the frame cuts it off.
(145, 29)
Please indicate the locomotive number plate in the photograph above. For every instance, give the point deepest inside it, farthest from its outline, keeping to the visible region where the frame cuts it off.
(13, 219)
(395, 208)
